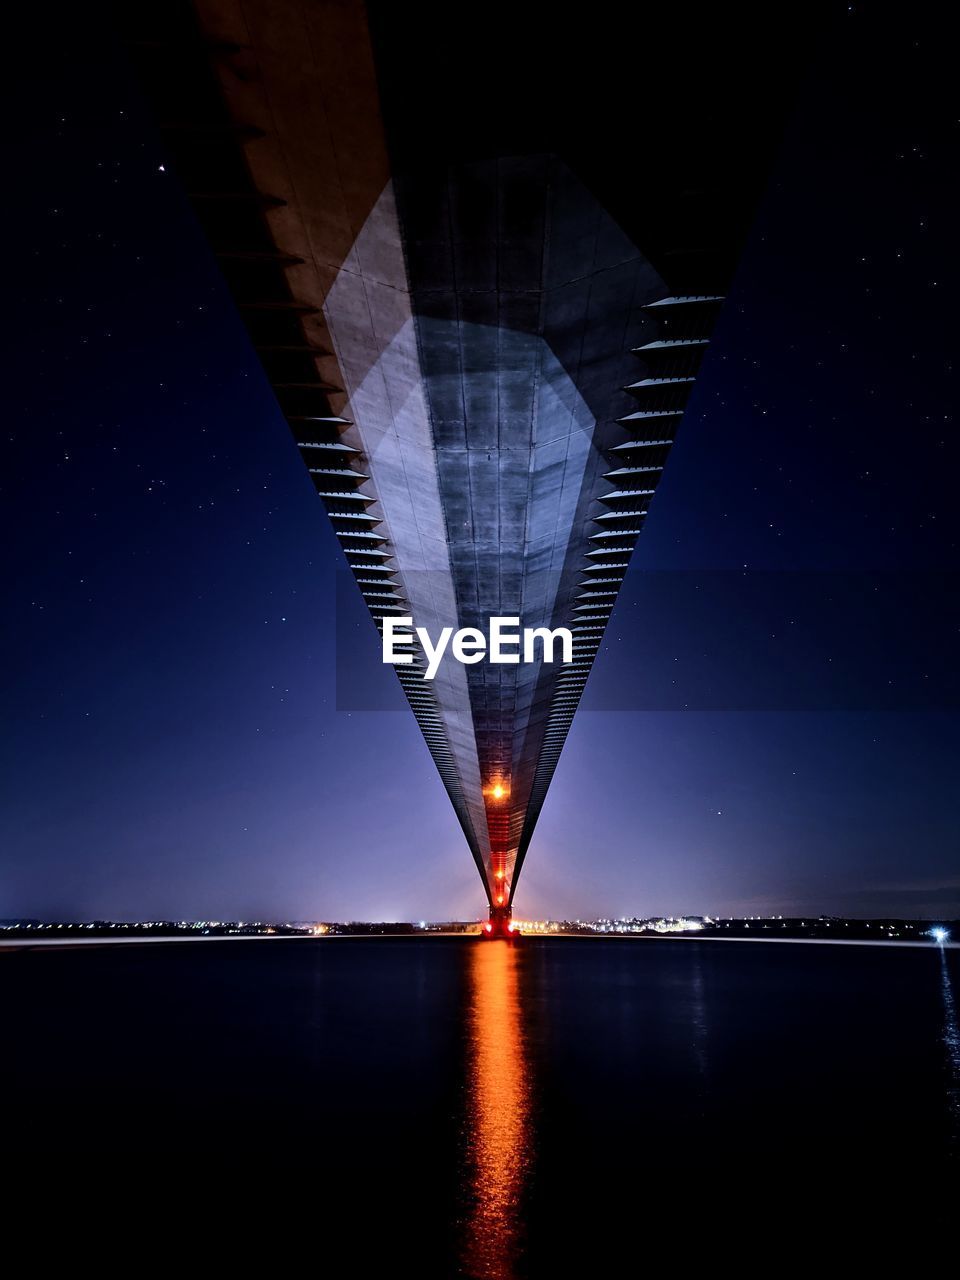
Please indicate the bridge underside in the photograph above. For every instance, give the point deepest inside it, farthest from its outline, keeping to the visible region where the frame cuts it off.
(482, 285)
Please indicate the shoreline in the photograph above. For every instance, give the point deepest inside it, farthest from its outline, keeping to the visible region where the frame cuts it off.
(47, 944)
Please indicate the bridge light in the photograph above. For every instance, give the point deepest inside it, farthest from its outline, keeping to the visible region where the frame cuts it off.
(499, 875)
(488, 927)
(500, 901)
(498, 792)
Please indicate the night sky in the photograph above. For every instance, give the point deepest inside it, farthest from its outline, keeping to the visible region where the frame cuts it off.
(784, 648)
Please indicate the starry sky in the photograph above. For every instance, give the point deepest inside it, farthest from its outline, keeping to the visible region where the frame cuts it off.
(772, 725)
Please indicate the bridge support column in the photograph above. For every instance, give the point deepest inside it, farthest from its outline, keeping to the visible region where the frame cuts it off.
(500, 924)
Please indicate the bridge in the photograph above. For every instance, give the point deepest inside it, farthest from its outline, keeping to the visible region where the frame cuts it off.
(480, 255)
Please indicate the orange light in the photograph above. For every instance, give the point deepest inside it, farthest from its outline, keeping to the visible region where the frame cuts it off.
(498, 792)
(488, 928)
(499, 875)
(500, 901)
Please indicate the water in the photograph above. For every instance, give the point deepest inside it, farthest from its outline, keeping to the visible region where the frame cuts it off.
(556, 1106)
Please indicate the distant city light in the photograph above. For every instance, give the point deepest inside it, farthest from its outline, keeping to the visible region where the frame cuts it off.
(883, 931)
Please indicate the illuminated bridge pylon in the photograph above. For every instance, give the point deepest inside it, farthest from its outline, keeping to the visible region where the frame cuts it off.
(481, 276)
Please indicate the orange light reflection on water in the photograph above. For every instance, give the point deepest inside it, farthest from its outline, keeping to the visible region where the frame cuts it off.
(499, 1125)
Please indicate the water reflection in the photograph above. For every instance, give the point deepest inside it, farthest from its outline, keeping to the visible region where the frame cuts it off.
(498, 1135)
(951, 1042)
(698, 1017)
